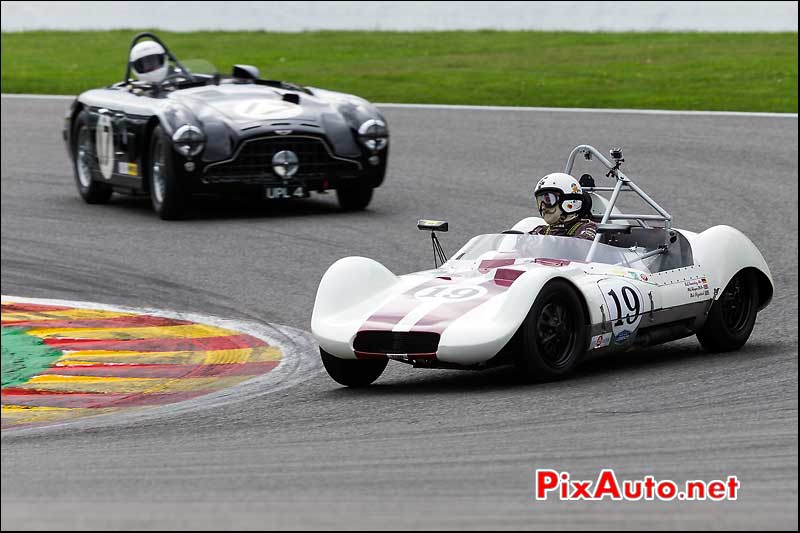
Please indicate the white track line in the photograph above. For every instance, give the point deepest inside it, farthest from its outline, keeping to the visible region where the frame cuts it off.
(445, 107)
(37, 96)
(298, 363)
(587, 110)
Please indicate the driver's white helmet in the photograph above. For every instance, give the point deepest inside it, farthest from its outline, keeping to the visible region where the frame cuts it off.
(559, 189)
(149, 61)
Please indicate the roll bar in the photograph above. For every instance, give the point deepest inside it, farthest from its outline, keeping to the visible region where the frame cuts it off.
(623, 183)
(138, 37)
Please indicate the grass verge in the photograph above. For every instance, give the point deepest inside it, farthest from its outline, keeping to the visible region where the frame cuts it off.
(703, 71)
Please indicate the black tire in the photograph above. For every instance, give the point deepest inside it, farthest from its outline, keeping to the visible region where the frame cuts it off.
(354, 198)
(733, 315)
(167, 193)
(352, 372)
(554, 334)
(84, 164)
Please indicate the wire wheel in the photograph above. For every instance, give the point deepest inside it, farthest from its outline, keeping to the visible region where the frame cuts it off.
(83, 155)
(158, 169)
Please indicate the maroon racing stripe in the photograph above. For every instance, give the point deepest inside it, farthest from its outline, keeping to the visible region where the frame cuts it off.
(163, 371)
(230, 342)
(399, 306)
(115, 322)
(31, 308)
(442, 316)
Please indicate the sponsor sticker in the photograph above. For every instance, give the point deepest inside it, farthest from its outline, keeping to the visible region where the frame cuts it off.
(600, 341)
(622, 336)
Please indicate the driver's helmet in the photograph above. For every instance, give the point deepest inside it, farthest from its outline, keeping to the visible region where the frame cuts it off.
(149, 61)
(559, 189)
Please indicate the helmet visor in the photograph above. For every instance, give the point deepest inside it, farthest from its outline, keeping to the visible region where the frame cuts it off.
(546, 199)
(148, 63)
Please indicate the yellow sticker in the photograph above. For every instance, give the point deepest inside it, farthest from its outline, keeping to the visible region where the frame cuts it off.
(133, 169)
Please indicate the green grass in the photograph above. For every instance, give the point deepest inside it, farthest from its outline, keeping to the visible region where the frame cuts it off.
(706, 71)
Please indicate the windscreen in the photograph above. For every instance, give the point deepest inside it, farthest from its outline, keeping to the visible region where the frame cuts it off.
(199, 66)
(515, 246)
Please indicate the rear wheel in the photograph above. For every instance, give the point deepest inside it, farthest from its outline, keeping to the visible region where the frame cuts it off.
(733, 316)
(554, 334)
(84, 158)
(167, 193)
(352, 372)
(354, 198)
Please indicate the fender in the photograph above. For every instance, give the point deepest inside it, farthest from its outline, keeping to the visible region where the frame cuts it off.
(723, 251)
(485, 330)
(347, 282)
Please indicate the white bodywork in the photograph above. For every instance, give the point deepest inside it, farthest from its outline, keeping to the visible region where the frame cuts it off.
(638, 281)
(477, 311)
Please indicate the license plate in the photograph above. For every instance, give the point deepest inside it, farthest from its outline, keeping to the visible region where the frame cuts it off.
(277, 193)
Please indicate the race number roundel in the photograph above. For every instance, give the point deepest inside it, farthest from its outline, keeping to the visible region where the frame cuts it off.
(104, 141)
(454, 293)
(266, 109)
(624, 307)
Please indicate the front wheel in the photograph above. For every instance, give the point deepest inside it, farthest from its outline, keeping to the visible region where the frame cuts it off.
(354, 198)
(733, 316)
(167, 193)
(352, 372)
(554, 334)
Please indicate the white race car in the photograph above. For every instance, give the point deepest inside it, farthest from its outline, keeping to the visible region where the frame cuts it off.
(544, 302)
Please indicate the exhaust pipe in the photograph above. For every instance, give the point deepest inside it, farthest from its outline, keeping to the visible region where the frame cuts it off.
(662, 334)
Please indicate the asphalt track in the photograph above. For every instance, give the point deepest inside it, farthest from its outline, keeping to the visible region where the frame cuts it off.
(420, 449)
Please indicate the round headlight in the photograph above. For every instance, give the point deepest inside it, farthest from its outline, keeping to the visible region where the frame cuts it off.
(189, 140)
(373, 134)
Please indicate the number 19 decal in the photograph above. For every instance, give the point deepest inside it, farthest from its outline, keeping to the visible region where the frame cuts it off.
(624, 304)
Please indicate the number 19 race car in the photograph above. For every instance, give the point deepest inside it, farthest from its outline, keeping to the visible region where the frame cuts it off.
(191, 130)
(545, 302)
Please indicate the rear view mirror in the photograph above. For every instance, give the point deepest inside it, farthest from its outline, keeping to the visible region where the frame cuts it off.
(432, 225)
(246, 72)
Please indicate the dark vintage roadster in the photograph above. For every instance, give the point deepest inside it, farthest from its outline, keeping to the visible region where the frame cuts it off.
(196, 131)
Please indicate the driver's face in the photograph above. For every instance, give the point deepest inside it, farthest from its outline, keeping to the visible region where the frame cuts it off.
(551, 215)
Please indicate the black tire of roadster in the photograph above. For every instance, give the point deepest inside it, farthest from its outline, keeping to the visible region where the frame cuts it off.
(554, 334)
(354, 198)
(733, 315)
(171, 199)
(94, 192)
(352, 372)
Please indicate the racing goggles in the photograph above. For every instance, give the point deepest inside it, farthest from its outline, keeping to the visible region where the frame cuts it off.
(547, 199)
(148, 63)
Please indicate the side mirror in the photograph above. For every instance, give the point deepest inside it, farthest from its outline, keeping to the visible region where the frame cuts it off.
(246, 72)
(432, 225)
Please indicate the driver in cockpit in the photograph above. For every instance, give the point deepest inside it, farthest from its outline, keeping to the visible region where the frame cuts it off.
(149, 62)
(560, 200)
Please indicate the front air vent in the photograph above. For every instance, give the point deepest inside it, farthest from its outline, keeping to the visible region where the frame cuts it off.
(394, 342)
